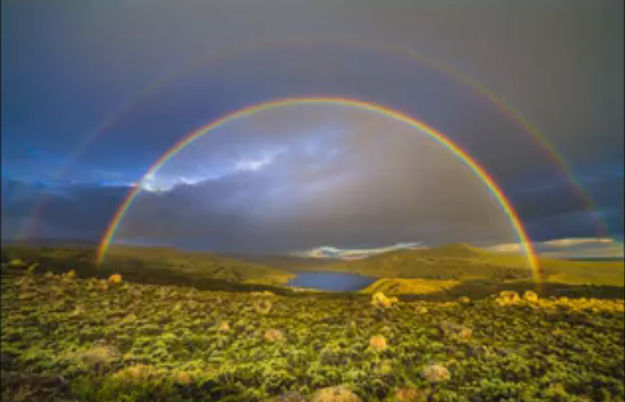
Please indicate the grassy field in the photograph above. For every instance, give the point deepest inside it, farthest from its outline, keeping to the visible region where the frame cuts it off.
(186, 326)
(88, 339)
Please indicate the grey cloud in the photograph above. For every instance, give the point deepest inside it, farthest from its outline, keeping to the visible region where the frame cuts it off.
(357, 179)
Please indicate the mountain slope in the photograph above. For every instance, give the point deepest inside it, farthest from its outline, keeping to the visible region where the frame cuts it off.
(454, 261)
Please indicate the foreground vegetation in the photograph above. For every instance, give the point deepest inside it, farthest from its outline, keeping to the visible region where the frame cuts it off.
(109, 340)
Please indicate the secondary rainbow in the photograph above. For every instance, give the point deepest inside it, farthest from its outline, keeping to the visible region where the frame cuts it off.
(285, 102)
(409, 53)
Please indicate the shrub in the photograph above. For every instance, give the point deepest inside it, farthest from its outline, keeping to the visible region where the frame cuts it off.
(452, 330)
(97, 356)
(507, 297)
(17, 263)
(421, 310)
(262, 306)
(338, 393)
(69, 275)
(274, 335)
(377, 343)
(530, 296)
(115, 279)
(435, 373)
(380, 300)
(408, 395)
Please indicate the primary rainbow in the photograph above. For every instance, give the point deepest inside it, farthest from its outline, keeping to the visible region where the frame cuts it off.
(250, 110)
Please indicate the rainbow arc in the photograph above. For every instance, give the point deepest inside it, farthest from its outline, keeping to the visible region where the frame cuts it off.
(472, 164)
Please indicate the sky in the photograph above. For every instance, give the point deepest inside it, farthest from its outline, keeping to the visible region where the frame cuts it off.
(93, 93)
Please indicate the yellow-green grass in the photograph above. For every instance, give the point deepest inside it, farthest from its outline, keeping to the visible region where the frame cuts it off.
(67, 338)
(399, 286)
(583, 272)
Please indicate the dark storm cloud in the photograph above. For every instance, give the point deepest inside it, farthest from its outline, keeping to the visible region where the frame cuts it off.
(76, 212)
(69, 66)
(286, 187)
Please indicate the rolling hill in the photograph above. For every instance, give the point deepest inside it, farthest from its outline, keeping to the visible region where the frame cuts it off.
(152, 265)
(450, 269)
(454, 261)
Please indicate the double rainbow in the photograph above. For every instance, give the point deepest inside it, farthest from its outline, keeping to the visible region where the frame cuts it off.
(150, 90)
(371, 107)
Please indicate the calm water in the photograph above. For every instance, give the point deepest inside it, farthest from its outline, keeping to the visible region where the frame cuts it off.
(331, 281)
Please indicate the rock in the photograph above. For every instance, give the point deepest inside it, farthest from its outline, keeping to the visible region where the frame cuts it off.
(435, 373)
(338, 393)
(464, 300)
(223, 326)
(377, 343)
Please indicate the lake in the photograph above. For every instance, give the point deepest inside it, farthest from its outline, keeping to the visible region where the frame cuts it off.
(330, 281)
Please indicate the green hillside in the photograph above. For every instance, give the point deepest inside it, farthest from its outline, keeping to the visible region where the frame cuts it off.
(287, 263)
(449, 270)
(153, 265)
(464, 262)
(71, 339)
(608, 272)
(455, 261)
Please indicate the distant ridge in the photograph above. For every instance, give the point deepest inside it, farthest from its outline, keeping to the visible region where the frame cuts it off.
(51, 242)
(285, 262)
(453, 250)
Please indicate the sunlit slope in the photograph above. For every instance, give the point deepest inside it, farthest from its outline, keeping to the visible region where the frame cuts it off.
(414, 286)
(154, 264)
(455, 261)
(583, 272)
(207, 265)
(439, 267)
